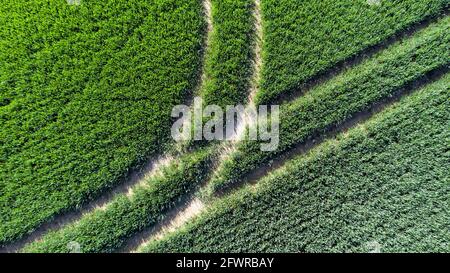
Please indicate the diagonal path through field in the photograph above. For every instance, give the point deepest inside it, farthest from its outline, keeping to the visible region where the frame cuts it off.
(304, 147)
(193, 206)
(134, 180)
(358, 58)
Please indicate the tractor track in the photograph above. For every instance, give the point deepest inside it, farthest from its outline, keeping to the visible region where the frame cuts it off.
(135, 178)
(171, 223)
(190, 205)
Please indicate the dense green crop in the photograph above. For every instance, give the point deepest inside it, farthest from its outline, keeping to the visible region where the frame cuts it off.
(106, 230)
(228, 66)
(305, 38)
(331, 103)
(381, 186)
(86, 94)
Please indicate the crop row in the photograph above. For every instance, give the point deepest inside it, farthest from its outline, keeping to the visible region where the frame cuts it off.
(336, 101)
(228, 64)
(382, 186)
(106, 230)
(303, 40)
(87, 92)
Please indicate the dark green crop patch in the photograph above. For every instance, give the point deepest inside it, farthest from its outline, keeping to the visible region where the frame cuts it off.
(86, 95)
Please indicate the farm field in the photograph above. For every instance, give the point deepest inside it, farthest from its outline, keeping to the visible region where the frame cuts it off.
(348, 94)
(106, 230)
(83, 106)
(88, 91)
(128, 215)
(305, 40)
(385, 177)
(228, 66)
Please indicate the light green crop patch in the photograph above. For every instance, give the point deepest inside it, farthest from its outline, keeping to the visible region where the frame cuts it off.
(380, 187)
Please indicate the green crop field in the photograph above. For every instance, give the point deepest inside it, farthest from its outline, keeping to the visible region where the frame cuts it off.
(88, 90)
(368, 185)
(83, 105)
(305, 40)
(106, 230)
(352, 92)
(228, 67)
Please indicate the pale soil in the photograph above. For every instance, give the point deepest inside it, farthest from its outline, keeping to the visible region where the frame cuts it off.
(176, 219)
